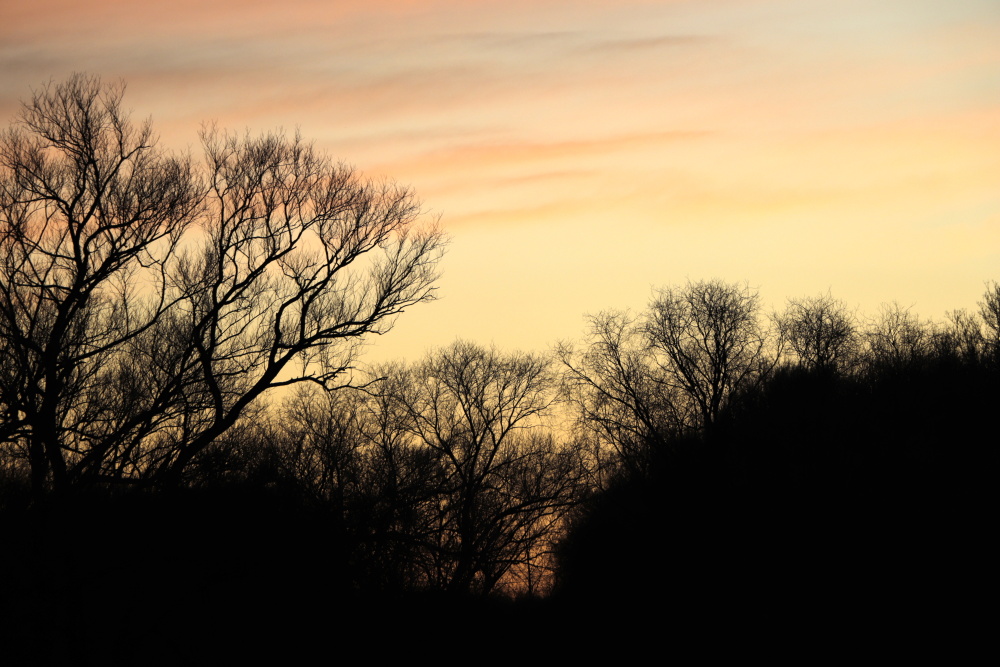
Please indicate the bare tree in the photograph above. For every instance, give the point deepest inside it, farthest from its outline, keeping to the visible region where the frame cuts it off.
(505, 482)
(821, 332)
(961, 337)
(973, 336)
(353, 451)
(623, 405)
(148, 303)
(90, 211)
(709, 341)
(443, 472)
(989, 310)
(324, 442)
(897, 337)
(302, 259)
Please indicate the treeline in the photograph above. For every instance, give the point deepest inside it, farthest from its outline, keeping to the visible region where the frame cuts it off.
(827, 476)
(471, 470)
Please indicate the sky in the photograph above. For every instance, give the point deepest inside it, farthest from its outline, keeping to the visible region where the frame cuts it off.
(582, 153)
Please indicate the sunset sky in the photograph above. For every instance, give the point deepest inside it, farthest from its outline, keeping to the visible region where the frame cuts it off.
(581, 153)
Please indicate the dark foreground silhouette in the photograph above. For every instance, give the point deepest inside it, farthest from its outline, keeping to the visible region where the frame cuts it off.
(820, 506)
(214, 576)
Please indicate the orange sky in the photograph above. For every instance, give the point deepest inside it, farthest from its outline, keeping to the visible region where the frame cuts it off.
(581, 153)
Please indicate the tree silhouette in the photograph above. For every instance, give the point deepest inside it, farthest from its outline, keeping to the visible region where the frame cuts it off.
(442, 473)
(989, 310)
(815, 497)
(708, 340)
(897, 338)
(820, 331)
(623, 403)
(503, 483)
(147, 303)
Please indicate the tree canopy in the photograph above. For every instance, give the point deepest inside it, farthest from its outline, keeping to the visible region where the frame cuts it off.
(149, 300)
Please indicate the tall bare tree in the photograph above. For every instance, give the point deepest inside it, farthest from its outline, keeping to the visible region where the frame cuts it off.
(91, 216)
(148, 303)
(302, 259)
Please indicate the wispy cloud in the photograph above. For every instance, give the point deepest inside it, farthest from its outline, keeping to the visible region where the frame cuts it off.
(645, 44)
